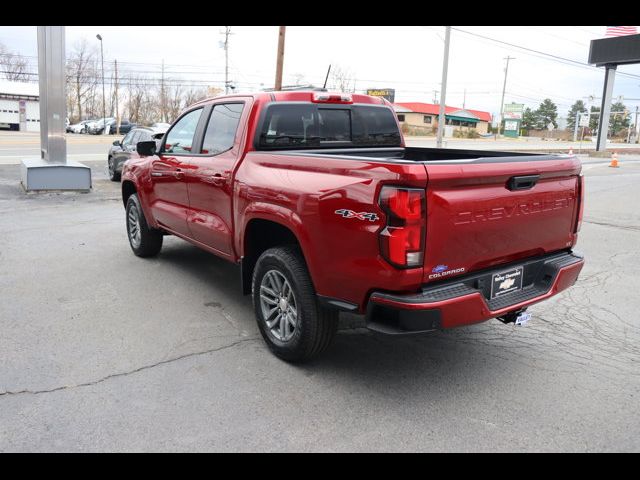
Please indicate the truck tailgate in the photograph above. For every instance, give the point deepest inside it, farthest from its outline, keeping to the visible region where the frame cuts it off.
(485, 212)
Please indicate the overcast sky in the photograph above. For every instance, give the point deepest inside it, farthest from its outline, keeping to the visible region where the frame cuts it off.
(408, 59)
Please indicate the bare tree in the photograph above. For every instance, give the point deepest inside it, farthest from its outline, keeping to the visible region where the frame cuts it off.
(298, 79)
(194, 95)
(13, 66)
(173, 100)
(138, 97)
(342, 79)
(82, 76)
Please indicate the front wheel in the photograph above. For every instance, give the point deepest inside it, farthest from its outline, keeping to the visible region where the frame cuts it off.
(144, 241)
(114, 176)
(290, 320)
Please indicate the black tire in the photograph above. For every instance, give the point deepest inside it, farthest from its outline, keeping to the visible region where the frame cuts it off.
(315, 326)
(113, 175)
(149, 241)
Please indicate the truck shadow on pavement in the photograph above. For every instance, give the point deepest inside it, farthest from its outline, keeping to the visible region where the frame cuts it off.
(355, 349)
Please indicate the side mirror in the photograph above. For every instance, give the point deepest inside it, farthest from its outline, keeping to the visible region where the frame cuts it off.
(117, 143)
(146, 149)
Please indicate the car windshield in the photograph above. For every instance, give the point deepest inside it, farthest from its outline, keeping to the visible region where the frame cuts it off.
(302, 125)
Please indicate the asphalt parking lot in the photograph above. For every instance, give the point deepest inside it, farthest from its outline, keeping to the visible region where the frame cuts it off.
(102, 350)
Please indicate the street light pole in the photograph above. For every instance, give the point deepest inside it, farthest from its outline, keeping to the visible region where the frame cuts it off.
(104, 102)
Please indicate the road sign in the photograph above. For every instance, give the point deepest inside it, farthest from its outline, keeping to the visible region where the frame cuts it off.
(584, 120)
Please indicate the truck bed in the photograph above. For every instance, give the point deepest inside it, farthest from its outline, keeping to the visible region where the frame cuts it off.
(425, 154)
(485, 208)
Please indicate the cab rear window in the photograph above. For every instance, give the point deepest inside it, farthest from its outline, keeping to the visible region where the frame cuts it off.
(290, 125)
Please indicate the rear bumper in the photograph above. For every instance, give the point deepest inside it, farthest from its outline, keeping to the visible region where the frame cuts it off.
(466, 300)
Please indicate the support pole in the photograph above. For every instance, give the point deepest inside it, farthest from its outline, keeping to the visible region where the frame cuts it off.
(443, 97)
(51, 170)
(52, 81)
(605, 108)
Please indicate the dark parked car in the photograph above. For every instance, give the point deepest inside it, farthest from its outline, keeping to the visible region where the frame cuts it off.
(121, 150)
(125, 127)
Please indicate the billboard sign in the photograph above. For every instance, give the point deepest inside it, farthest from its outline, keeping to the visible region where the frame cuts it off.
(388, 93)
(615, 50)
(513, 111)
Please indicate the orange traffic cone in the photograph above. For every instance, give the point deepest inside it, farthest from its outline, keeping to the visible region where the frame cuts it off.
(614, 160)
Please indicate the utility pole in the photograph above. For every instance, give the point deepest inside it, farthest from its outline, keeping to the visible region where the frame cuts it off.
(435, 96)
(115, 64)
(280, 57)
(635, 126)
(227, 32)
(504, 88)
(443, 97)
(464, 98)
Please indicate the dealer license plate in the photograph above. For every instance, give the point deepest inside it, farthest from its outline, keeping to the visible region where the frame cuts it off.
(506, 282)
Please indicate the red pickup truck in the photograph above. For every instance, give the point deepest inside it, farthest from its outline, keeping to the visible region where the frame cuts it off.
(315, 195)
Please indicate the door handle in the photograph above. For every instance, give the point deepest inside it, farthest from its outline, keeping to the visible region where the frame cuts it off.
(218, 179)
(523, 182)
(179, 174)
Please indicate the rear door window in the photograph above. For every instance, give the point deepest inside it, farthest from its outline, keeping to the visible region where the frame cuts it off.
(221, 130)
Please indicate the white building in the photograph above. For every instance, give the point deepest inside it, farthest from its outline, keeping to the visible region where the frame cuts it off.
(19, 106)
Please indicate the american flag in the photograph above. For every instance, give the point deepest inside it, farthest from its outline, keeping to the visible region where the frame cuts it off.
(620, 31)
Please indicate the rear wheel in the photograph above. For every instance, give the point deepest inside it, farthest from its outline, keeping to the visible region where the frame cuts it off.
(113, 175)
(290, 320)
(144, 241)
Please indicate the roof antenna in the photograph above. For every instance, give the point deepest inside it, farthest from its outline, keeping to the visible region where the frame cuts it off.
(327, 77)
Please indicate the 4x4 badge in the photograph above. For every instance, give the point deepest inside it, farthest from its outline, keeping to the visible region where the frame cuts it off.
(372, 217)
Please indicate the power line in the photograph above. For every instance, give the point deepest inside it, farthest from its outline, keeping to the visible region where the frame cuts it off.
(566, 61)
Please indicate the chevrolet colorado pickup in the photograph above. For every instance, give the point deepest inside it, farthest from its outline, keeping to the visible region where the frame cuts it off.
(315, 195)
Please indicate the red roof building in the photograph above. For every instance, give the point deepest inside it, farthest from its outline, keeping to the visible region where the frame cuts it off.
(430, 108)
(423, 115)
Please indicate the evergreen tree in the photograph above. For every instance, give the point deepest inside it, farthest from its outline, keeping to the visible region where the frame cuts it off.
(528, 119)
(546, 113)
(619, 122)
(595, 119)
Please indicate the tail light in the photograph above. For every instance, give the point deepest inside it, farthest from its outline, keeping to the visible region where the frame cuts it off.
(402, 240)
(581, 200)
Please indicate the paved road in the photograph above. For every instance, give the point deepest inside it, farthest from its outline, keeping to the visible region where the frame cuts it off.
(105, 351)
(14, 146)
